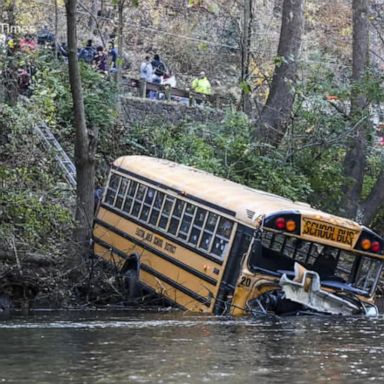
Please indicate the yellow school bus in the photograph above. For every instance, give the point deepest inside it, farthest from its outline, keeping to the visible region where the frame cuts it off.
(211, 245)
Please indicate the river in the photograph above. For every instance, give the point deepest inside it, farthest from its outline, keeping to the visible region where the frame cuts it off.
(178, 347)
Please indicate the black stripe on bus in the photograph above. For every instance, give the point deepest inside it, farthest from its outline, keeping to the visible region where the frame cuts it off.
(185, 195)
(110, 248)
(160, 233)
(179, 287)
(158, 275)
(158, 253)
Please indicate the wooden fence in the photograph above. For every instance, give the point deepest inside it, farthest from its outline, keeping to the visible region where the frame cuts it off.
(141, 88)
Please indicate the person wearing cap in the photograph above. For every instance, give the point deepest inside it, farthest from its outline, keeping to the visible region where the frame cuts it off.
(202, 84)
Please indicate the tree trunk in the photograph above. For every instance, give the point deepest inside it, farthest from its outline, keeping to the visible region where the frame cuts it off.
(85, 145)
(56, 28)
(92, 16)
(356, 151)
(11, 12)
(120, 41)
(1, 11)
(370, 207)
(274, 119)
(245, 53)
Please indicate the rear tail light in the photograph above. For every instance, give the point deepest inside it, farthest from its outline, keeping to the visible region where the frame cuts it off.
(375, 247)
(365, 244)
(368, 245)
(280, 223)
(287, 225)
(291, 225)
(370, 241)
(288, 221)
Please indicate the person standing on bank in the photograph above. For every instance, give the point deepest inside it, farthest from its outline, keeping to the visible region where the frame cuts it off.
(146, 71)
(159, 69)
(202, 84)
(87, 54)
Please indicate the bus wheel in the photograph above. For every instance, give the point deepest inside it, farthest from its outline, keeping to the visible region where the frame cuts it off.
(130, 273)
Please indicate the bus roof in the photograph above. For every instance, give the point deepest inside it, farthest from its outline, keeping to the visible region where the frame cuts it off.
(247, 203)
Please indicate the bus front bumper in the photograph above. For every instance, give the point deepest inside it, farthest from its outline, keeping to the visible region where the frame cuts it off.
(305, 289)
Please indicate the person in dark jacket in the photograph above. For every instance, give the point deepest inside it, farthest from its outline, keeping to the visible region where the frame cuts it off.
(87, 54)
(113, 54)
(101, 60)
(159, 69)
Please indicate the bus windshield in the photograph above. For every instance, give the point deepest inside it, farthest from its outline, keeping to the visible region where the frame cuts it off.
(336, 267)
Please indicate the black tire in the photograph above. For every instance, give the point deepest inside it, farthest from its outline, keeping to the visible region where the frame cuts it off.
(131, 283)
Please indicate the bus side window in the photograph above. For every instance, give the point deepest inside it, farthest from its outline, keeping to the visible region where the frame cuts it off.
(121, 194)
(197, 226)
(144, 213)
(210, 225)
(155, 213)
(223, 234)
(140, 192)
(186, 221)
(112, 189)
(176, 215)
(167, 208)
(114, 181)
(219, 246)
(129, 197)
(225, 228)
(211, 222)
(148, 200)
(205, 241)
(138, 200)
(149, 196)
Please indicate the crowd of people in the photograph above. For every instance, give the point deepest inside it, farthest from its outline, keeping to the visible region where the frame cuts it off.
(157, 72)
(103, 60)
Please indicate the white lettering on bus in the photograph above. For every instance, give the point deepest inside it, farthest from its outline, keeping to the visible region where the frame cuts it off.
(157, 241)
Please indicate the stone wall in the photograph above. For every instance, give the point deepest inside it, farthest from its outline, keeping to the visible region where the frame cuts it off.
(139, 111)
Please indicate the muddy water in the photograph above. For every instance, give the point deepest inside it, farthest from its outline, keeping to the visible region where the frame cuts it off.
(175, 347)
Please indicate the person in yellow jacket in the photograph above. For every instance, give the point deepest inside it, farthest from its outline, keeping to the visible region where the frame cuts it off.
(202, 84)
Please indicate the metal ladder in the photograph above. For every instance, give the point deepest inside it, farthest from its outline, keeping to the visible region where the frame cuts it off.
(62, 158)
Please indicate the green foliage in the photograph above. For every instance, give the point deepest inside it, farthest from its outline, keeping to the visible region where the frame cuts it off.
(31, 207)
(53, 97)
(28, 214)
(322, 128)
(30, 203)
(225, 149)
(245, 87)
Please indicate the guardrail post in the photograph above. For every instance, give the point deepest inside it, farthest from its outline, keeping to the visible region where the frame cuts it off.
(191, 100)
(143, 88)
(167, 91)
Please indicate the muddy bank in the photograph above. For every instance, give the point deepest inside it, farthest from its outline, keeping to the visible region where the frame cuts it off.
(30, 281)
(34, 281)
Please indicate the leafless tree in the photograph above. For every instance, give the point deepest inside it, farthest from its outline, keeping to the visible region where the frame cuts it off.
(86, 139)
(120, 38)
(245, 53)
(275, 115)
(357, 149)
(355, 158)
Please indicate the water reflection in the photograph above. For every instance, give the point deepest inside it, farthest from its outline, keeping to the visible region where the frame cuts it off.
(175, 347)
